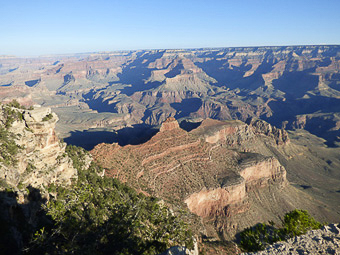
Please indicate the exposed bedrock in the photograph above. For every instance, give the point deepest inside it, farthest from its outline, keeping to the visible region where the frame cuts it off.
(213, 169)
(210, 203)
(41, 159)
(277, 84)
(255, 172)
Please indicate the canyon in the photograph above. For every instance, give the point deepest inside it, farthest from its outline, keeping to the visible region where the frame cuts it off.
(217, 170)
(295, 87)
(233, 136)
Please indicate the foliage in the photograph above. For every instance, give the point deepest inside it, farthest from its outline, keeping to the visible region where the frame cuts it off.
(47, 117)
(14, 103)
(30, 167)
(258, 237)
(77, 154)
(296, 222)
(11, 114)
(100, 215)
(8, 147)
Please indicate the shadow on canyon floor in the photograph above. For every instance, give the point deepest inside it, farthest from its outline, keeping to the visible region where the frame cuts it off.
(186, 107)
(88, 139)
(137, 72)
(188, 125)
(137, 134)
(318, 122)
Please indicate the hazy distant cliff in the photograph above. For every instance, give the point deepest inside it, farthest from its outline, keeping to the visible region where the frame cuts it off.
(290, 86)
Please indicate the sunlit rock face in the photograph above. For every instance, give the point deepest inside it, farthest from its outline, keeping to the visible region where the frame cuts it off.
(210, 169)
(42, 159)
(288, 86)
(231, 199)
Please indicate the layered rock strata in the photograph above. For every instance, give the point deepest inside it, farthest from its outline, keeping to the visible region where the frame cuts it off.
(254, 173)
(282, 85)
(207, 168)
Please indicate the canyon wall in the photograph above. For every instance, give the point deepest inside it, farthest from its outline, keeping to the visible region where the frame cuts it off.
(231, 199)
(41, 158)
(210, 169)
(281, 85)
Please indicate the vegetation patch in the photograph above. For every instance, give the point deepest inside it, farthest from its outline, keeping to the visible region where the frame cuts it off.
(295, 223)
(30, 168)
(11, 114)
(100, 215)
(8, 148)
(48, 117)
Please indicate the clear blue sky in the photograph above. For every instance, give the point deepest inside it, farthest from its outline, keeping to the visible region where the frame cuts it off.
(35, 27)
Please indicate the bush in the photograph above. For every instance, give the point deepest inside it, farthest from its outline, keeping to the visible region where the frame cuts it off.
(14, 103)
(258, 237)
(77, 154)
(11, 114)
(30, 168)
(48, 117)
(100, 215)
(8, 148)
(298, 222)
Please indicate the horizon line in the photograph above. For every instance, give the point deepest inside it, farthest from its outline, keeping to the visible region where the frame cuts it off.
(160, 49)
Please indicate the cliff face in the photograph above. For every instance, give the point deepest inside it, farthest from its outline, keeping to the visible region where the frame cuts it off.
(278, 84)
(41, 157)
(232, 198)
(206, 169)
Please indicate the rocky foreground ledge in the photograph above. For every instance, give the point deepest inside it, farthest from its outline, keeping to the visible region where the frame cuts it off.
(322, 241)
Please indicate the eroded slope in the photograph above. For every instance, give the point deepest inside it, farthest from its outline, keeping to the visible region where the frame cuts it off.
(219, 171)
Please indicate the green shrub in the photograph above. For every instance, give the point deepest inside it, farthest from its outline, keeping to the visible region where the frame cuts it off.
(11, 114)
(30, 168)
(8, 147)
(14, 103)
(100, 215)
(258, 237)
(77, 154)
(298, 222)
(48, 117)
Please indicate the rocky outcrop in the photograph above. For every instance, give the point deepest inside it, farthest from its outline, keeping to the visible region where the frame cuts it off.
(180, 250)
(259, 171)
(255, 172)
(41, 159)
(323, 241)
(170, 124)
(264, 128)
(227, 201)
(208, 168)
(232, 133)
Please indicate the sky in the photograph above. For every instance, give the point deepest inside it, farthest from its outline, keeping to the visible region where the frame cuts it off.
(40, 27)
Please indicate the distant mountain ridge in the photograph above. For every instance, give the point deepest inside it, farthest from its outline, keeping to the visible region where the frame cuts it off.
(288, 86)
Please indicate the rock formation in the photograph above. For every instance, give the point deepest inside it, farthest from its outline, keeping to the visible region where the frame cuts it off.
(322, 241)
(281, 85)
(41, 158)
(214, 169)
(293, 87)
